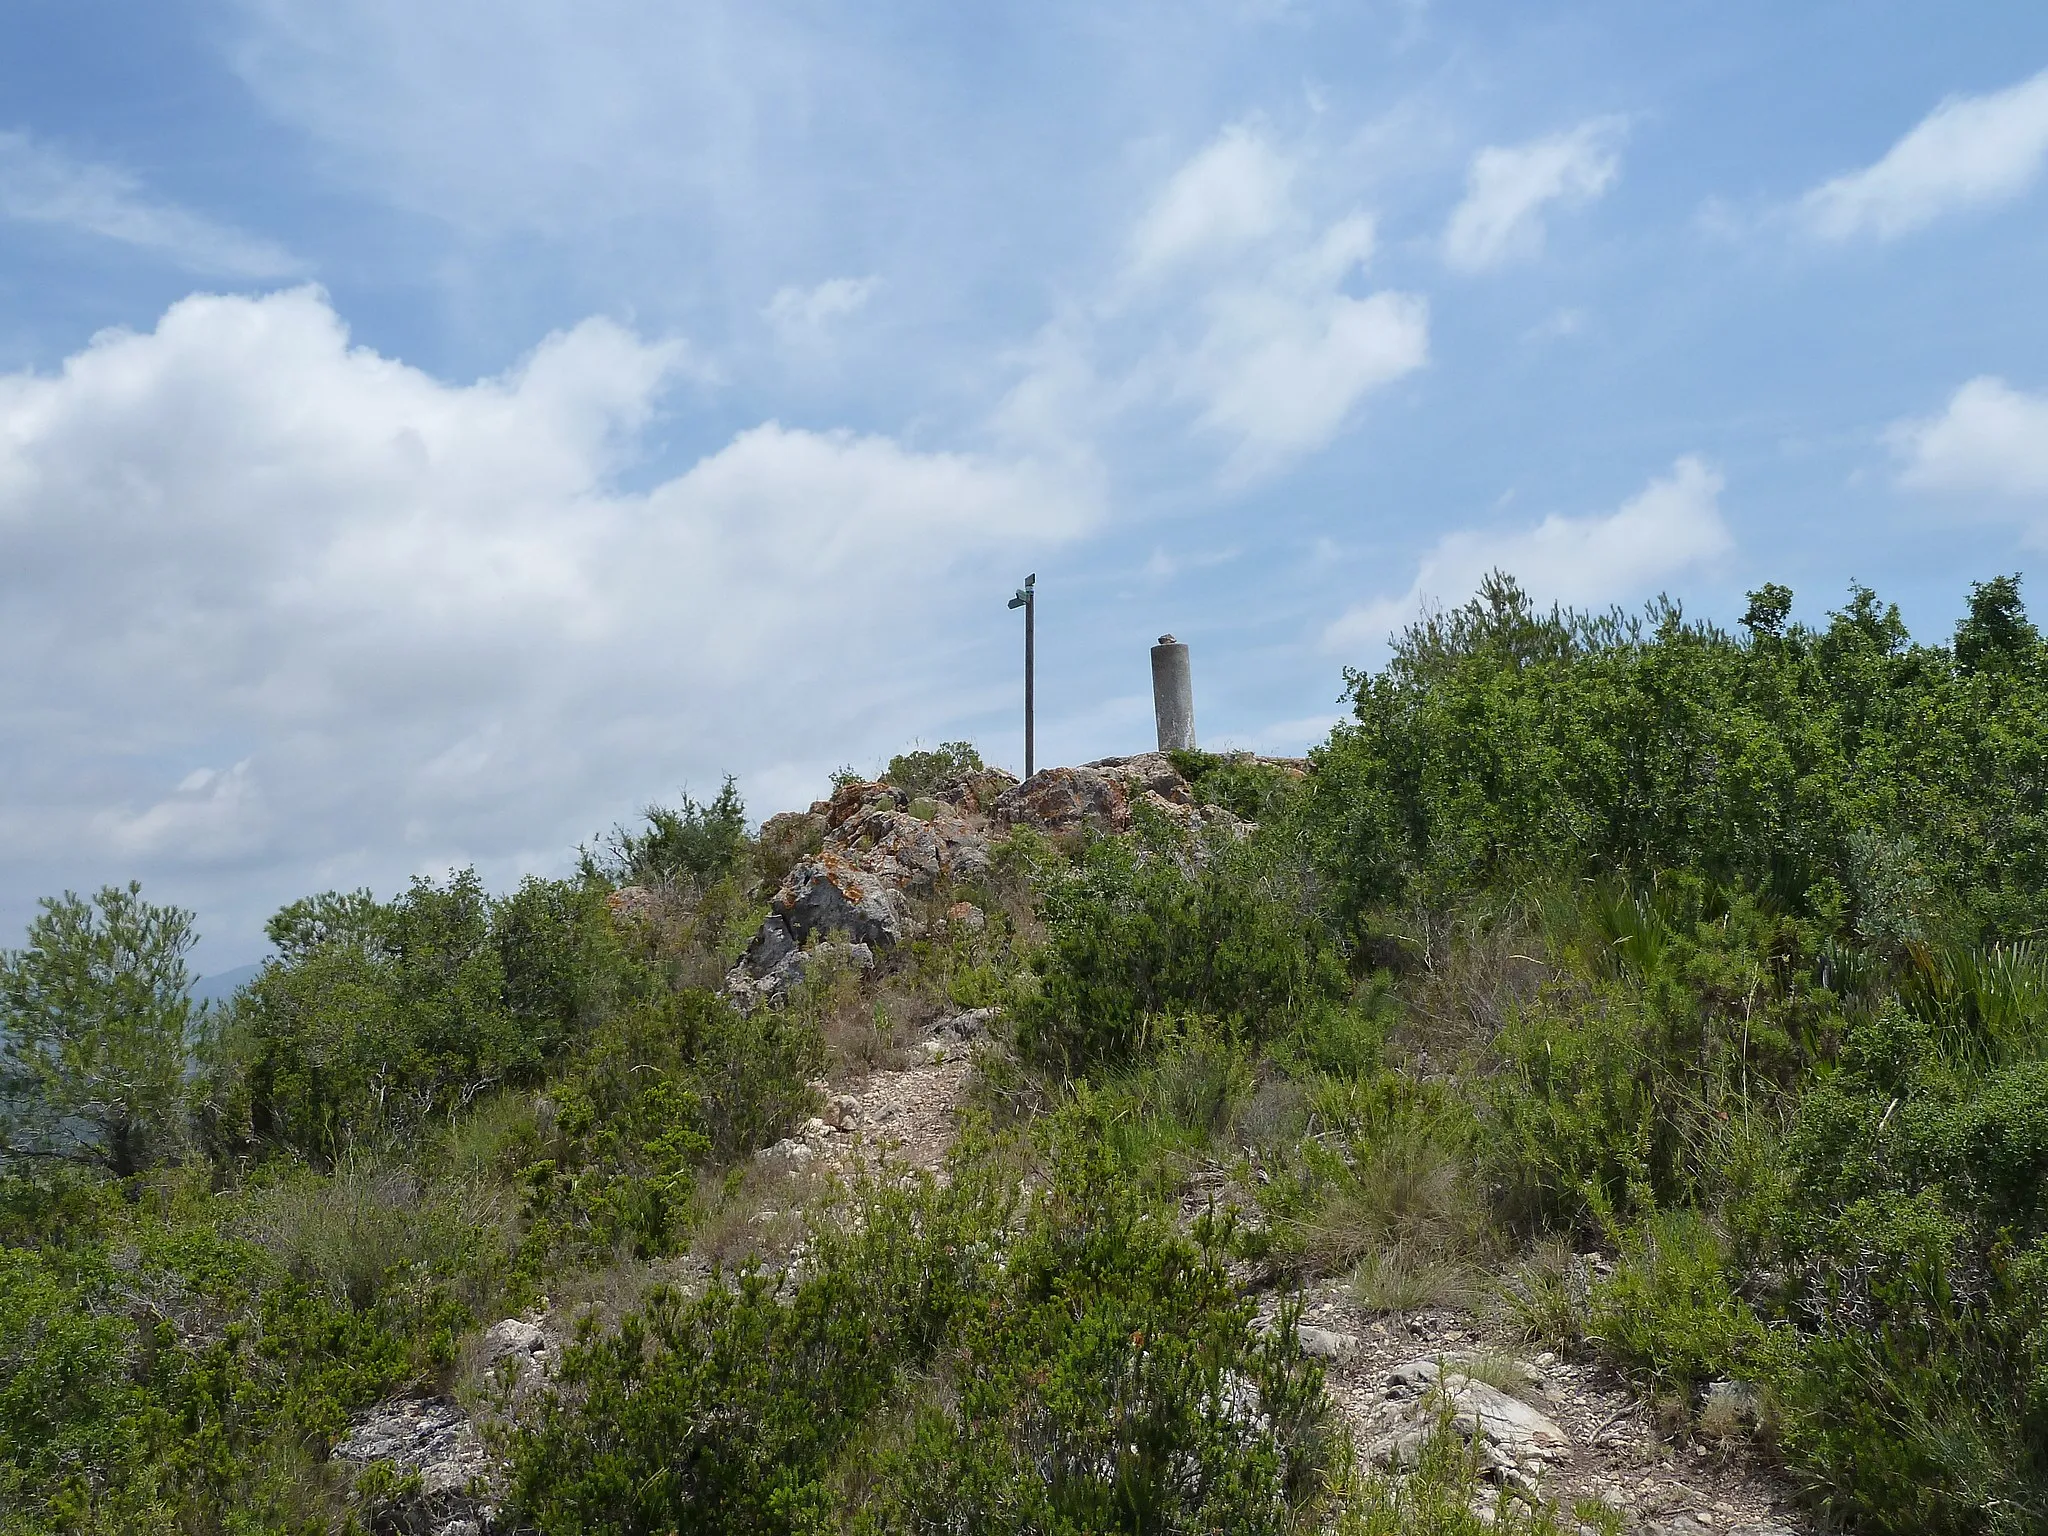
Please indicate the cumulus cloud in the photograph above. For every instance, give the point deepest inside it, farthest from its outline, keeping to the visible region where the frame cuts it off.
(801, 312)
(1507, 190)
(40, 184)
(1970, 151)
(292, 613)
(1992, 440)
(1673, 525)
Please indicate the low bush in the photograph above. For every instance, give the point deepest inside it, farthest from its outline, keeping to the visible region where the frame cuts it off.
(920, 771)
(1134, 939)
(947, 1362)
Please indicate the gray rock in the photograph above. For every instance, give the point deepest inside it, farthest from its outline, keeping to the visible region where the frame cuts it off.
(790, 1155)
(1515, 1442)
(794, 968)
(433, 1437)
(828, 895)
(969, 1025)
(1325, 1343)
(515, 1341)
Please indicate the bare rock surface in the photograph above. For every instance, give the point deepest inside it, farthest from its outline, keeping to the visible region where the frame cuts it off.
(1562, 1429)
(434, 1438)
(878, 848)
(905, 1118)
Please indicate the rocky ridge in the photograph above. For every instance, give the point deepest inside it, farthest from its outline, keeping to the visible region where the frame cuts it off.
(879, 849)
(1540, 1427)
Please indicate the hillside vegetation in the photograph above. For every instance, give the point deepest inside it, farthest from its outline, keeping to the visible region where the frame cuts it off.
(1669, 995)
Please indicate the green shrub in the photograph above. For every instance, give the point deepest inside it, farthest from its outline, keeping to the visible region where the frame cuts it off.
(375, 1019)
(664, 1089)
(1669, 1311)
(946, 1362)
(919, 772)
(1133, 939)
(1579, 1122)
(1258, 792)
(95, 1032)
(691, 847)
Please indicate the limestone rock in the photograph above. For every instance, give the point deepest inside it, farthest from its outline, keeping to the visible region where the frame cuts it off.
(1515, 1442)
(832, 895)
(1065, 802)
(1325, 1343)
(969, 1025)
(791, 967)
(516, 1340)
(634, 903)
(433, 1437)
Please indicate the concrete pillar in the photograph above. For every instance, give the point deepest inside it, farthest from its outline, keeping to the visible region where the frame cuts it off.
(1173, 695)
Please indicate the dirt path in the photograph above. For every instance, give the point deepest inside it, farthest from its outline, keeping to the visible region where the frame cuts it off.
(1610, 1449)
(1562, 1429)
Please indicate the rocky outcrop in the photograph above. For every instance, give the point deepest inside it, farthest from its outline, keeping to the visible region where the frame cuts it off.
(1514, 1442)
(878, 848)
(434, 1439)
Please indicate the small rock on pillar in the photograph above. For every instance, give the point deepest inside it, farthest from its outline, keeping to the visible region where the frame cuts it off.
(1173, 695)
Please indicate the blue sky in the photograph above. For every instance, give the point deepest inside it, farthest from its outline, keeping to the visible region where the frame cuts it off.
(428, 432)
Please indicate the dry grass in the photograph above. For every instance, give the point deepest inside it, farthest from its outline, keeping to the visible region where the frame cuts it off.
(1405, 1194)
(1544, 1296)
(1504, 1373)
(1477, 969)
(346, 1233)
(759, 1217)
(1398, 1281)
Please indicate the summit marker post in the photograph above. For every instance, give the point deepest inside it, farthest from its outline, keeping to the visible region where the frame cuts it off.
(1027, 599)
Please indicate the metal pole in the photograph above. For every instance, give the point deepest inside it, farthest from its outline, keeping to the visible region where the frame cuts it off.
(1027, 599)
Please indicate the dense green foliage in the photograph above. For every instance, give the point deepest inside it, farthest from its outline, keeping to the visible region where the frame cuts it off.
(1714, 954)
(1886, 788)
(95, 1025)
(694, 845)
(1135, 941)
(922, 770)
(952, 1362)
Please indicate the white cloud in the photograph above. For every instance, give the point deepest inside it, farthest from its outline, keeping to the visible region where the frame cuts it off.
(1968, 152)
(1232, 194)
(422, 621)
(1508, 188)
(1672, 526)
(1991, 440)
(1286, 356)
(1237, 305)
(40, 184)
(801, 312)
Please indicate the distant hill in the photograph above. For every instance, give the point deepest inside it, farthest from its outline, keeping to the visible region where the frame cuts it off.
(218, 989)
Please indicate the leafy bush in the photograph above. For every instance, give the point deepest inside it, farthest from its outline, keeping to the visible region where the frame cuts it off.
(1669, 1310)
(1259, 792)
(662, 1090)
(1133, 940)
(1501, 742)
(377, 1018)
(949, 1362)
(692, 846)
(919, 772)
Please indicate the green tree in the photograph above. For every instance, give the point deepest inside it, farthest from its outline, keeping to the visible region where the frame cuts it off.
(96, 1014)
(695, 847)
